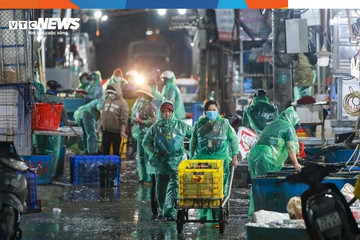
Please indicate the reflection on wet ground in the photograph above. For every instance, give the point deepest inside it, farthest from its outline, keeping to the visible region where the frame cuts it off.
(119, 213)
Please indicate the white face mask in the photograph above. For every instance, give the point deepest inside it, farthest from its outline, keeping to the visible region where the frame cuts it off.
(117, 79)
(112, 96)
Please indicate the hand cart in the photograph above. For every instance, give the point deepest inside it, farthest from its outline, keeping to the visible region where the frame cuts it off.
(201, 187)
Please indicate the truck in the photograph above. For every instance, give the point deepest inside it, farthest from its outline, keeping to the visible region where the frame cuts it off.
(145, 56)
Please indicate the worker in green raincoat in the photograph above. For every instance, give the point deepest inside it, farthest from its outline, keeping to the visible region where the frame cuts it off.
(277, 142)
(116, 77)
(82, 89)
(260, 113)
(143, 115)
(95, 90)
(164, 143)
(172, 93)
(214, 138)
(158, 97)
(51, 144)
(86, 117)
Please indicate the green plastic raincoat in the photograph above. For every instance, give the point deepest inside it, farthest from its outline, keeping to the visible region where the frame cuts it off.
(95, 90)
(145, 110)
(214, 140)
(112, 80)
(159, 98)
(84, 85)
(50, 144)
(164, 143)
(272, 148)
(259, 114)
(39, 87)
(172, 93)
(86, 117)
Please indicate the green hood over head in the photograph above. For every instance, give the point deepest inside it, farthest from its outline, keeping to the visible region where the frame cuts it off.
(290, 116)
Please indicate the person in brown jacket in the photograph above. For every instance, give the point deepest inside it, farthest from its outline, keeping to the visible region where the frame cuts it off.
(114, 119)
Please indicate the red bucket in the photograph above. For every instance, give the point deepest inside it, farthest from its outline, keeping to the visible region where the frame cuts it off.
(46, 116)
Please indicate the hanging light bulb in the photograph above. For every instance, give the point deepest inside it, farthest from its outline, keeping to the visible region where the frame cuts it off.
(323, 57)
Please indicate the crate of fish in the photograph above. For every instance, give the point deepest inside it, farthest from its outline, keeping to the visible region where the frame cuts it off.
(200, 183)
(84, 169)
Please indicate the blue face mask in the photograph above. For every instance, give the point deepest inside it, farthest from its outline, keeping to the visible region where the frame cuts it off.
(212, 115)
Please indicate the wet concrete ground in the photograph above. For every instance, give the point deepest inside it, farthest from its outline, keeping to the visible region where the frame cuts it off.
(119, 213)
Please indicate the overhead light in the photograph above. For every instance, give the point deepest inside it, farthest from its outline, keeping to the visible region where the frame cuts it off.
(149, 32)
(182, 11)
(97, 14)
(104, 18)
(323, 57)
(161, 12)
(192, 44)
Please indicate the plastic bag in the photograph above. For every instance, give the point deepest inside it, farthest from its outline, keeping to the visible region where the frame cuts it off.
(263, 216)
(247, 139)
(294, 208)
(348, 192)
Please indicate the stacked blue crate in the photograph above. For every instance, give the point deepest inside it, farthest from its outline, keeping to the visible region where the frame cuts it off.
(32, 202)
(84, 169)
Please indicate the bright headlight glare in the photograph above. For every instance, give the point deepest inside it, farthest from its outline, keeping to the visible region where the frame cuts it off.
(139, 79)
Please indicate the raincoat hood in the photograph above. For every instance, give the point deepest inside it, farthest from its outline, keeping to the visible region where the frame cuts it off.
(290, 116)
(117, 88)
(97, 77)
(160, 117)
(170, 81)
(260, 99)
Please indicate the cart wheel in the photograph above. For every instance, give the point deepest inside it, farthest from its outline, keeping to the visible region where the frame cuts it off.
(154, 205)
(222, 221)
(180, 221)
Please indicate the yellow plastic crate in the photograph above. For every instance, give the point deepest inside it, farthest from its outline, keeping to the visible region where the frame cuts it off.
(200, 183)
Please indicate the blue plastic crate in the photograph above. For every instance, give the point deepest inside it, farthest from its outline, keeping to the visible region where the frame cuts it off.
(198, 111)
(341, 155)
(269, 195)
(72, 104)
(84, 169)
(42, 166)
(31, 198)
(34, 207)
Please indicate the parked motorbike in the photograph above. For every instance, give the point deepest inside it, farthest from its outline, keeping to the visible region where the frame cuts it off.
(325, 211)
(13, 192)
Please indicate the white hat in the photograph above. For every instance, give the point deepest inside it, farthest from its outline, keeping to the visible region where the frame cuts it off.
(167, 74)
(146, 90)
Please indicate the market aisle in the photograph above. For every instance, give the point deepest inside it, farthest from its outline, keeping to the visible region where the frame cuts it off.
(118, 213)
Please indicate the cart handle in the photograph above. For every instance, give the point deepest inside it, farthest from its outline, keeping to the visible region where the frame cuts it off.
(230, 185)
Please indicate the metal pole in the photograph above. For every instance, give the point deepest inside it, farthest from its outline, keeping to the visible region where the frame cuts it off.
(43, 64)
(283, 87)
(241, 51)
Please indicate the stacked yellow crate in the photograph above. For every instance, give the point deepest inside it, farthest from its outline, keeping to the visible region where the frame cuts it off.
(200, 183)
